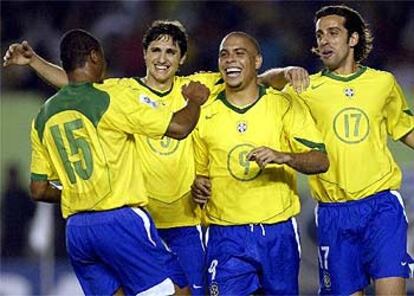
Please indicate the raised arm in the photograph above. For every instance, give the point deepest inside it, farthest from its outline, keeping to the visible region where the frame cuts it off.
(312, 162)
(23, 54)
(184, 120)
(278, 77)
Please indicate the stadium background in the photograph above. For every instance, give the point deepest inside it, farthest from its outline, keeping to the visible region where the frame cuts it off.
(33, 259)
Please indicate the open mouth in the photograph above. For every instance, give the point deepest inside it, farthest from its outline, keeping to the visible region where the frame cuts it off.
(326, 54)
(161, 67)
(233, 72)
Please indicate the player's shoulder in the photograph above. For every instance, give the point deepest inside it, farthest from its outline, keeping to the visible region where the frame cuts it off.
(275, 96)
(210, 79)
(379, 74)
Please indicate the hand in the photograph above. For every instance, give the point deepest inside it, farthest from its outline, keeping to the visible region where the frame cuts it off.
(195, 92)
(298, 77)
(18, 54)
(201, 190)
(264, 155)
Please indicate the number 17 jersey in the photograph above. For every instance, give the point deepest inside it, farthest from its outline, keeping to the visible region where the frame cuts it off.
(355, 115)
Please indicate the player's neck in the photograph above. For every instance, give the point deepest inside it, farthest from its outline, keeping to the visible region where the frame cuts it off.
(82, 76)
(243, 97)
(157, 85)
(347, 68)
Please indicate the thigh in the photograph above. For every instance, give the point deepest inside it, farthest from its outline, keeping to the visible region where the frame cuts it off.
(126, 240)
(385, 239)
(187, 245)
(280, 257)
(94, 276)
(231, 270)
(340, 256)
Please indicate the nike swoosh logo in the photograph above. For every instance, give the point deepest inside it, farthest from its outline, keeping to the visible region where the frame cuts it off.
(197, 287)
(403, 263)
(317, 85)
(210, 116)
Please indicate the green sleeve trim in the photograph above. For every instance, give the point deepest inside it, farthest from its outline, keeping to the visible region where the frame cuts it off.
(38, 177)
(408, 111)
(315, 146)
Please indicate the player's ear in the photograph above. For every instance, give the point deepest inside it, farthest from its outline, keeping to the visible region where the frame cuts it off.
(182, 60)
(94, 56)
(353, 39)
(258, 61)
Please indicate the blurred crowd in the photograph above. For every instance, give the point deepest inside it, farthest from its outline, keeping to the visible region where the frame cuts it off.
(284, 30)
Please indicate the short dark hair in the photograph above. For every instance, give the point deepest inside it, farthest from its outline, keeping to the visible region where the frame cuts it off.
(251, 39)
(75, 46)
(353, 23)
(174, 29)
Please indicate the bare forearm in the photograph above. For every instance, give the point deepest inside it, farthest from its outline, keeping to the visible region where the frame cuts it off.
(44, 191)
(408, 139)
(49, 72)
(274, 78)
(183, 121)
(313, 162)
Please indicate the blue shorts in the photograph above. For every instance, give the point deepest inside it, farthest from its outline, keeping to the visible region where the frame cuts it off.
(118, 248)
(361, 240)
(187, 245)
(242, 259)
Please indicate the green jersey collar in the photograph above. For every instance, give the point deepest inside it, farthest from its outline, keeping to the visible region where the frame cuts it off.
(156, 92)
(222, 97)
(330, 74)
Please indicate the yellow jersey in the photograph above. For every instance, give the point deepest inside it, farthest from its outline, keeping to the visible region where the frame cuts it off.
(84, 137)
(242, 193)
(168, 164)
(355, 114)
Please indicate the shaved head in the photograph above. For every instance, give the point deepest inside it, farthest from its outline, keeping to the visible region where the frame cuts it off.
(243, 35)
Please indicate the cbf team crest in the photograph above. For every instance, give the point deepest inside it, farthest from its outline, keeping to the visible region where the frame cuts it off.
(241, 127)
(349, 92)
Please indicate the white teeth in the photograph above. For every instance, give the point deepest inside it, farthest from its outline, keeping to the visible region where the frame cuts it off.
(160, 67)
(233, 70)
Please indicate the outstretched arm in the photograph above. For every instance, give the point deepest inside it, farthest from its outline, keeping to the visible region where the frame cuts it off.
(312, 162)
(184, 120)
(278, 77)
(23, 54)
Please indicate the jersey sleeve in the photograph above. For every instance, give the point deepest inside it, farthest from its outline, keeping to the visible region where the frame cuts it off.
(300, 129)
(41, 168)
(138, 114)
(200, 153)
(209, 79)
(399, 118)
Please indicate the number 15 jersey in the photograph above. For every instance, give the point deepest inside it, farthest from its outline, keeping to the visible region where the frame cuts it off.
(83, 136)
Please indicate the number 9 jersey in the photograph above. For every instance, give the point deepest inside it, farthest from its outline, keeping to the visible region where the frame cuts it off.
(83, 137)
(355, 114)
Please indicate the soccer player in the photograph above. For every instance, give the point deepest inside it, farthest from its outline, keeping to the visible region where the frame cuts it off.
(83, 137)
(248, 143)
(360, 217)
(168, 164)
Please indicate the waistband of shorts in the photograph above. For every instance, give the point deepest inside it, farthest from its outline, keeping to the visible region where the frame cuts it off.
(100, 217)
(368, 198)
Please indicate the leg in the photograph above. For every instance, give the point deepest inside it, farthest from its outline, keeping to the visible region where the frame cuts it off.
(182, 291)
(390, 286)
(186, 243)
(119, 292)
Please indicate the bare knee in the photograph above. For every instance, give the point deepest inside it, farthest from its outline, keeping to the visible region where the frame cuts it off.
(390, 286)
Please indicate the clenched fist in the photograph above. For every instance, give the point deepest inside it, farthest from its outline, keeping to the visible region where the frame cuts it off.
(195, 92)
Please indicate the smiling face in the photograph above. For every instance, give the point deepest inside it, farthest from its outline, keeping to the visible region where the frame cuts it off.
(335, 46)
(239, 61)
(162, 59)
